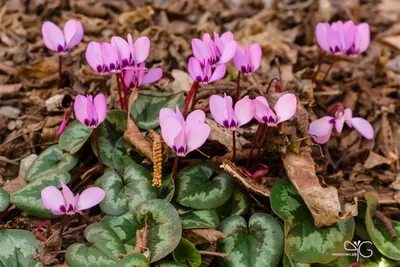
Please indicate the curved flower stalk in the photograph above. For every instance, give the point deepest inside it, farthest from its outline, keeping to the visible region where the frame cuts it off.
(66, 203)
(321, 129)
(142, 76)
(224, 114)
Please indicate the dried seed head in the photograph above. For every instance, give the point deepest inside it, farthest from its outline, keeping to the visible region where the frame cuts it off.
(157, 158)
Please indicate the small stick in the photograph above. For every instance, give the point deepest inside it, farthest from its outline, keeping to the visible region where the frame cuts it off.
(329, 70)
(319, 67)
(261, 144)
(387, 222)
(125, 91)
(121, 100)
(238, 86)
(204, 154)
(253, 143)
(270, 83)
(96, 142)
(213, 253)
(234, 146)
(175, 167)
(59, 70)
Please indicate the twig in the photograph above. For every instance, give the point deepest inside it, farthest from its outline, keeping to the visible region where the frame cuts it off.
(75, 229)
(238, 86)
(329, 70)
(213, 253)
(319, 66)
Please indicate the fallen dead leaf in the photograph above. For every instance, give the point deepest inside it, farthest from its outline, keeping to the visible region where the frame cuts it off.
(133, 17)
(7, 89)
(374, 160)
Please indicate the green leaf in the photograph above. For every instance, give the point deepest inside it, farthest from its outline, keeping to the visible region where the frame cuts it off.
(167, 190)
(258, 245)
(287, 203)
(164, 229)
(51, 158)
(196, 191)
(4, 200)
(29, 198)
(109, 132)
(187, 253)
(104, 251)
(146, 109)
(378, 232)
(17, 248)
(74, 136)
(238, 204)
(287, 262)
(169, 264)
(123, 194)
(124, 155)
(200, 219)
(134, 260)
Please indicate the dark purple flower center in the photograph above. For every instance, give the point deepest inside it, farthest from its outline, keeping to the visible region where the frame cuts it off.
(230, 125)
(60, 48)
(90, 123)
(99, 68)
(179, 151)
(332, 121)
(62, 208)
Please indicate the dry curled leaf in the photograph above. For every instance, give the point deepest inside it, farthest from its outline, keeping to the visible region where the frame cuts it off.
(374, 160)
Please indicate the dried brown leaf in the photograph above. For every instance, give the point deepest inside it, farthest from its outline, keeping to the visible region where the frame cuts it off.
(374, 160)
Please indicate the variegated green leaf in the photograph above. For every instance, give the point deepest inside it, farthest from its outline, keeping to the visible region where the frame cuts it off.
(187, 253)
(287, 203)
(125, 193)
(124, 155)
(164, 229)
(238, 204)
(74, 136)
(109, 132)
(167, 190)
(287, 262)
(196, 191)
(51, 158)
(258, 245)
(378, 232)
(4, 200)
(17, 248)
(29, 198)
(125, 226)
(200, 219)
(169, 264)
(145, 110)
(104, 250)
(134, 260)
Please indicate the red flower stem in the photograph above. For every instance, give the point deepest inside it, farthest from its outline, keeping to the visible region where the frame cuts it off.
(41, 225)
(96, 142)
(193, 99)
(270, 83)
(337, 105)
(126, 95)
(261, 143)
(329, 70)
(64, 223)
(319, 66)
(175, 167)
(87, 218)
(238, 87)
(233, 146)
(121, 100)
(59, 70)
(253, 143)
(189, 96)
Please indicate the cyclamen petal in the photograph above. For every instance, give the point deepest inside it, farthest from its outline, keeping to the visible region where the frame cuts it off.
(68, 198)
(196, 136)
(244, 110)
(73, 33)
(93, 56)
(142, 49)
(321, 129)
(53, 200)
(285, 107)
(89, 198)
(363, 127)
(89, 112)
(53, 37)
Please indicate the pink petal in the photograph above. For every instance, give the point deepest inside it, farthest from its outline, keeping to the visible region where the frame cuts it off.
(321, 33)
(333, 40)
(363, 127)
(63, 125)
(285, 107)
(322, 139)
(263, 100)
(90, 197)
(93, 56)
(142, 49)
(255, 56)
(73, 32)
(91, 109)
(218, 109)
(100, 105)
(194, 118)
(321, 128)
(350, 35)
(339, 28)
(152, 76)
(244, 110)
(164, 113)
(68, 197)
(129, 78)
(362, 39)
(228, 52)
(196, 136)
(80, 108)
(339, 124)
(122, 47)
(170, 128)
(219, 73)
(53, 199)
(261, 110)
(53, 37)
(240, 58)
(109, 56)
(200, 50)
(194, 69)
(226, 37)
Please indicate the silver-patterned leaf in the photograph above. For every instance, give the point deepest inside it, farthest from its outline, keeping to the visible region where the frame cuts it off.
(4, 200)
(200, 219)
(134, 260)
(74, 136)
(124, 155)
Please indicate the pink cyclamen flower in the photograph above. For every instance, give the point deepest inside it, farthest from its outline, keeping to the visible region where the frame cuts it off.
(283, 110)
(57, 40)
(231, 118)
(63, 125)
(321, 129)
(142, 76)
(89, 111)
(343, 38)
(202, 73)
(215, 52)
(66, 203)
(249, 60)
(183, 136)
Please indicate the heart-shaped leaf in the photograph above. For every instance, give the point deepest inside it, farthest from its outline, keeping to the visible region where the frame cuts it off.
(146, 109)
(51, 158)
(134, 260)
(124, 155)
(164, 229)
(104, 251)
(125, 226)
(169, 264)
(17, 248)
(196, 191)
(379, 233)
(258, 245)
(167, 190)
(29, 198)
(108, 133)
(238, 204)
(4, 200)
(74, 136)
(123, 194)
(200, 219)
(187, 253)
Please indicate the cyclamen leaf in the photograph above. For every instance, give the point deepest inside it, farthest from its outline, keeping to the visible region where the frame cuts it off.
(4, 200)
(187, 253)
(200, 219)
(74, 137)
(134, 260)
(122, 155)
